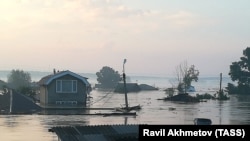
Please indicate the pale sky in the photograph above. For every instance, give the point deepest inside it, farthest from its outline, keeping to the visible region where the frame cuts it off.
(154, 36)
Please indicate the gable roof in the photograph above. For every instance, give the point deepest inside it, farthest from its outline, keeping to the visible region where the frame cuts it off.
(21, 104)
(131, 87)
(49, 78)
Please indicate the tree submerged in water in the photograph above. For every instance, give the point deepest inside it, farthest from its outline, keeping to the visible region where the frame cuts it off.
(185, 76)
(240, 73)
(221, 95)
(108, 77)
(21, 82)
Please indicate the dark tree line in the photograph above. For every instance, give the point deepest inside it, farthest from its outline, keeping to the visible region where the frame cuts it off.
(240, 73)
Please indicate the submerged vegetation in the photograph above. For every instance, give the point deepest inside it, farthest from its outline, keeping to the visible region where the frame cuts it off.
(185, 76)
(186, 97)
(240, 73)
(174, 94)
(205, 96)
(108, 78)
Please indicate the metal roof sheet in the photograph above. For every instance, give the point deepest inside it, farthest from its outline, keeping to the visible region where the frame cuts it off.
(97, 132)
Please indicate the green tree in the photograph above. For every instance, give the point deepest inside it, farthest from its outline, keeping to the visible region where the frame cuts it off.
(191, 75)
(108, 77)
(185, 76)
(20, 81)
(240, 73)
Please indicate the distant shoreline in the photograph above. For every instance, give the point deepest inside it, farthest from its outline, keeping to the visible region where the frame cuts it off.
(6, 72)
(157, 81)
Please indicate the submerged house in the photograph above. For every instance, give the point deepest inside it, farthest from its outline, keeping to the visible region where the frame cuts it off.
(13, 102)
(131, 87)
(63, 89)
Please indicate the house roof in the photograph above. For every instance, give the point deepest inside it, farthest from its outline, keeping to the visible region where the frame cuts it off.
(130, 87)
(147, 87)
(49, 78)
(97, 132)
(21, 104)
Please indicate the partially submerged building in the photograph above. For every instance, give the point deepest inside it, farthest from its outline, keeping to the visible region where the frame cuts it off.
(131, 87)
(63, 89)
(13, 102)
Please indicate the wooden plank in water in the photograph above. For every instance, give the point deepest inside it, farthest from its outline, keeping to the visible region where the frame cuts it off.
(78, 108)
(101, 114)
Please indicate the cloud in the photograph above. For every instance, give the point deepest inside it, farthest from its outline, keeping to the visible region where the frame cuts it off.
(182, 19)
(106, 29)
(94, 24)
(93, 15)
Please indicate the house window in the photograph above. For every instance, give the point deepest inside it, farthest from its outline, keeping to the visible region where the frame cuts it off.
(66, 86)
(66, 102)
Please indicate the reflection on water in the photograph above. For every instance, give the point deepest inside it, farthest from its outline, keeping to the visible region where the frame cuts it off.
(35, 127)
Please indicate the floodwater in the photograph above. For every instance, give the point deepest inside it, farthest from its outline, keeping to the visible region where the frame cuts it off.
(35, 127)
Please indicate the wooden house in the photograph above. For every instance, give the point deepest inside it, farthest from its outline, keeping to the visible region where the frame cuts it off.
(63, 89)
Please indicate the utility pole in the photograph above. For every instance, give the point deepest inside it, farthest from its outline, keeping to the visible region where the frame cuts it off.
(220, 91)
(11, 100)
(125, 87)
